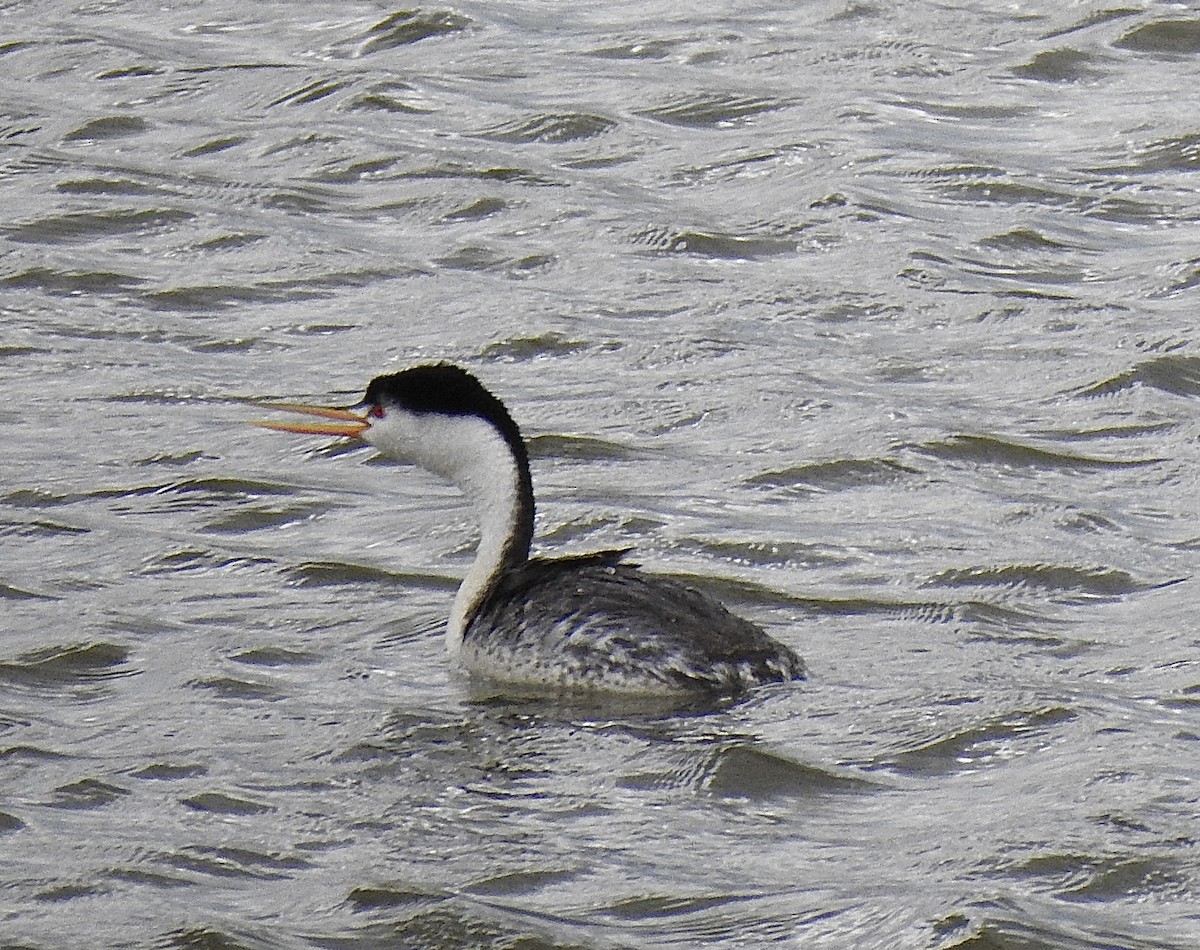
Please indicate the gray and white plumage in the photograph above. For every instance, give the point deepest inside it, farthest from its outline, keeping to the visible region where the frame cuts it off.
(590, 622)
(596, 622)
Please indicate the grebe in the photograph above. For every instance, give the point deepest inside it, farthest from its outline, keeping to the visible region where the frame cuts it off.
(586, 622)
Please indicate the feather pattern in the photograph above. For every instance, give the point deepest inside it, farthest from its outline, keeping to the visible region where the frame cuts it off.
(596, 622)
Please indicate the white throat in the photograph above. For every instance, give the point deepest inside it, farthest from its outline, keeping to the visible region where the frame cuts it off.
(470, 454)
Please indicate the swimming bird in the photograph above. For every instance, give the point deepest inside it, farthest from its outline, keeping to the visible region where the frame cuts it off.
(584, 622)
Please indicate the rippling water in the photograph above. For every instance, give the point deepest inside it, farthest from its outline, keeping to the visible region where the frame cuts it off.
(878, 322)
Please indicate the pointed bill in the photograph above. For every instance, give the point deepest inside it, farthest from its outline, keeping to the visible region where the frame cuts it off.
(350, 426)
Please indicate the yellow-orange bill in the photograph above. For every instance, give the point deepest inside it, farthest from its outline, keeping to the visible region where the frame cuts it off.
(325, 412)
(351, 427)
(349, 430)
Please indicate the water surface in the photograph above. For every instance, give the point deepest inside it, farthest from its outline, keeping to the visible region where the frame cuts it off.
(879, 323)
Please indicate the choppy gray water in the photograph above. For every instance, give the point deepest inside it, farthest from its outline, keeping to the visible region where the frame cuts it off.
(879, 320)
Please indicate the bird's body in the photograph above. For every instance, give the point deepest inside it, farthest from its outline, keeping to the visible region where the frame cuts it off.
(591, 622)
(594, 622)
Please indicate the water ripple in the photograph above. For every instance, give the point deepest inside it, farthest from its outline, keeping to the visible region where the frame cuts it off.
(64, 666)
(712, 244)
(982, 745)
(83, 226)
(991, 450)
(1061, 579)
(336, 573)
(1176, 374)
(711, 110)
(837, 475)
(745, 771)
(1173, 37)
(564, 127)
(1064, 65)
(403, 29)
(87, 793)
(700, 250)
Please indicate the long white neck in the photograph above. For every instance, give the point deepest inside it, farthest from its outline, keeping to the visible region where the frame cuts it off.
(495, 500)
(472, 455)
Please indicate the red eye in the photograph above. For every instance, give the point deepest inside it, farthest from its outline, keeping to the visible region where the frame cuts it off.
(375, 412)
